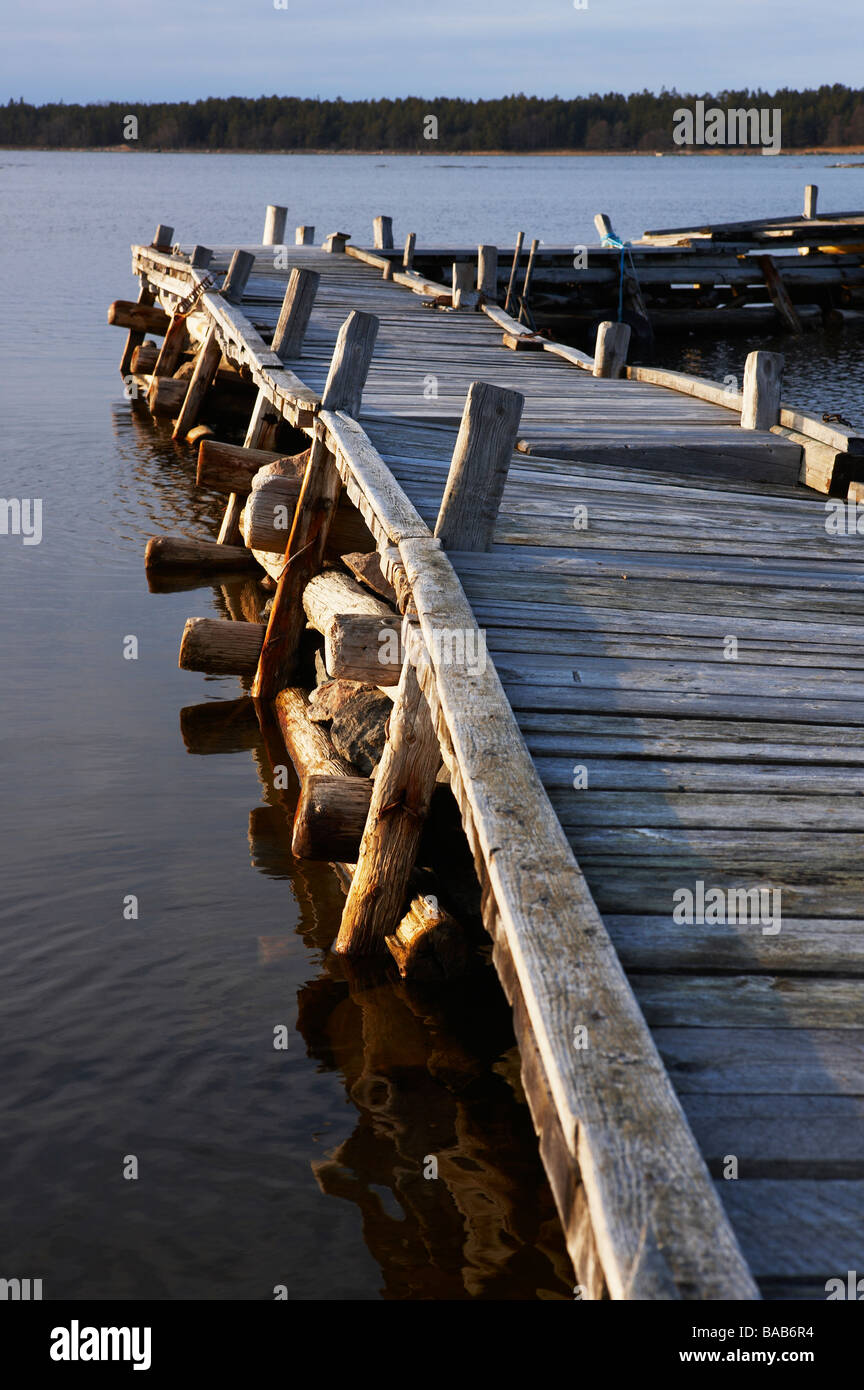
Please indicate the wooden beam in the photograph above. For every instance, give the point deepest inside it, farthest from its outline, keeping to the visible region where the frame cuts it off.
(779, 294)
(238, 273)
(205, 369)
(173, 346)
(610, 349)
(763, 372)
(401, 796)
(382, 233)
(274, 225)
(318, 499)
(478, 469)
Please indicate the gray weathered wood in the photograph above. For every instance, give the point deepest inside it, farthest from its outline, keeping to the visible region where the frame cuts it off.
(234, 284)
(487, 271)
(295, 313)
(763, 372)
(610, 350)
(478, 469)
(304, 235)
(382, 230)
(274, 225)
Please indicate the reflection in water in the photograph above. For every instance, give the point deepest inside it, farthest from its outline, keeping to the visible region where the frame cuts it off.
(443, 1162)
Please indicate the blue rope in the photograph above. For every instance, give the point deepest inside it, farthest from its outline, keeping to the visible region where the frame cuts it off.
(615, 243)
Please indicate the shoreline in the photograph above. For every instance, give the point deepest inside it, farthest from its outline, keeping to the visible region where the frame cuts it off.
(714, 152)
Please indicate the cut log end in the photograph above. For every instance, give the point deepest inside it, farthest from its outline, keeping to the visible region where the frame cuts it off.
(330, 817)
(221, 648)
(167, 553)
(428, 944)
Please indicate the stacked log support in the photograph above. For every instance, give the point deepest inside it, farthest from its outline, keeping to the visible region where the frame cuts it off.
(406, 777)
(316, 505)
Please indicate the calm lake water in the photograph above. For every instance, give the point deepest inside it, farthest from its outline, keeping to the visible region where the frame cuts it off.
(152, 1038)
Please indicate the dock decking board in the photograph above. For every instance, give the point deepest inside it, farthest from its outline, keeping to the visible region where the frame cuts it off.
(609, 645)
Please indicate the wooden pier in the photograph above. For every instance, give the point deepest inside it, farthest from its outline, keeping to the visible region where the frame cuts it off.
(604, 610)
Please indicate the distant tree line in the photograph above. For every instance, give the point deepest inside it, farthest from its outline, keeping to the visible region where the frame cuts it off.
(831, 115)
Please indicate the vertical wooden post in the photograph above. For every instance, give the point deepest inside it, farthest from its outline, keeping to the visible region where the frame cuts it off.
(603, 223)
(811, 193)
(763, 372)
(513, 269)
(173, 346)
(529, 271)
(382, 233)
(238, 273)
(201, 257)
(401, 794)
(464, 296)
(274, 225)
(335, 242)
(164, 238)
(610, 349)
(199, 384)
(487, 271)
(315, 508)
(304, 236)
(294, 315)
(134, 337)
(408, 253)
(479, 467)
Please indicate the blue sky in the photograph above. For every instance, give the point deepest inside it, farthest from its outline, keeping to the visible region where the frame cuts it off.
(93, 50)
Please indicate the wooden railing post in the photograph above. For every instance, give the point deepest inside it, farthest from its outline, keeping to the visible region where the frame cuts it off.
(304, 235)
(610, 349)
(315, 508)
(811, 193)
(200, 382)
(164, 237)
(479, 467)
(238, 273)
(295, 312)
(201, 257)
(274, 225)
(487, 271)
(763, 373)
(408, 253)
(382, 233)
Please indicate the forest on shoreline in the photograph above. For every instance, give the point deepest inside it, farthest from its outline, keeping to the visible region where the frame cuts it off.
(828, 116)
